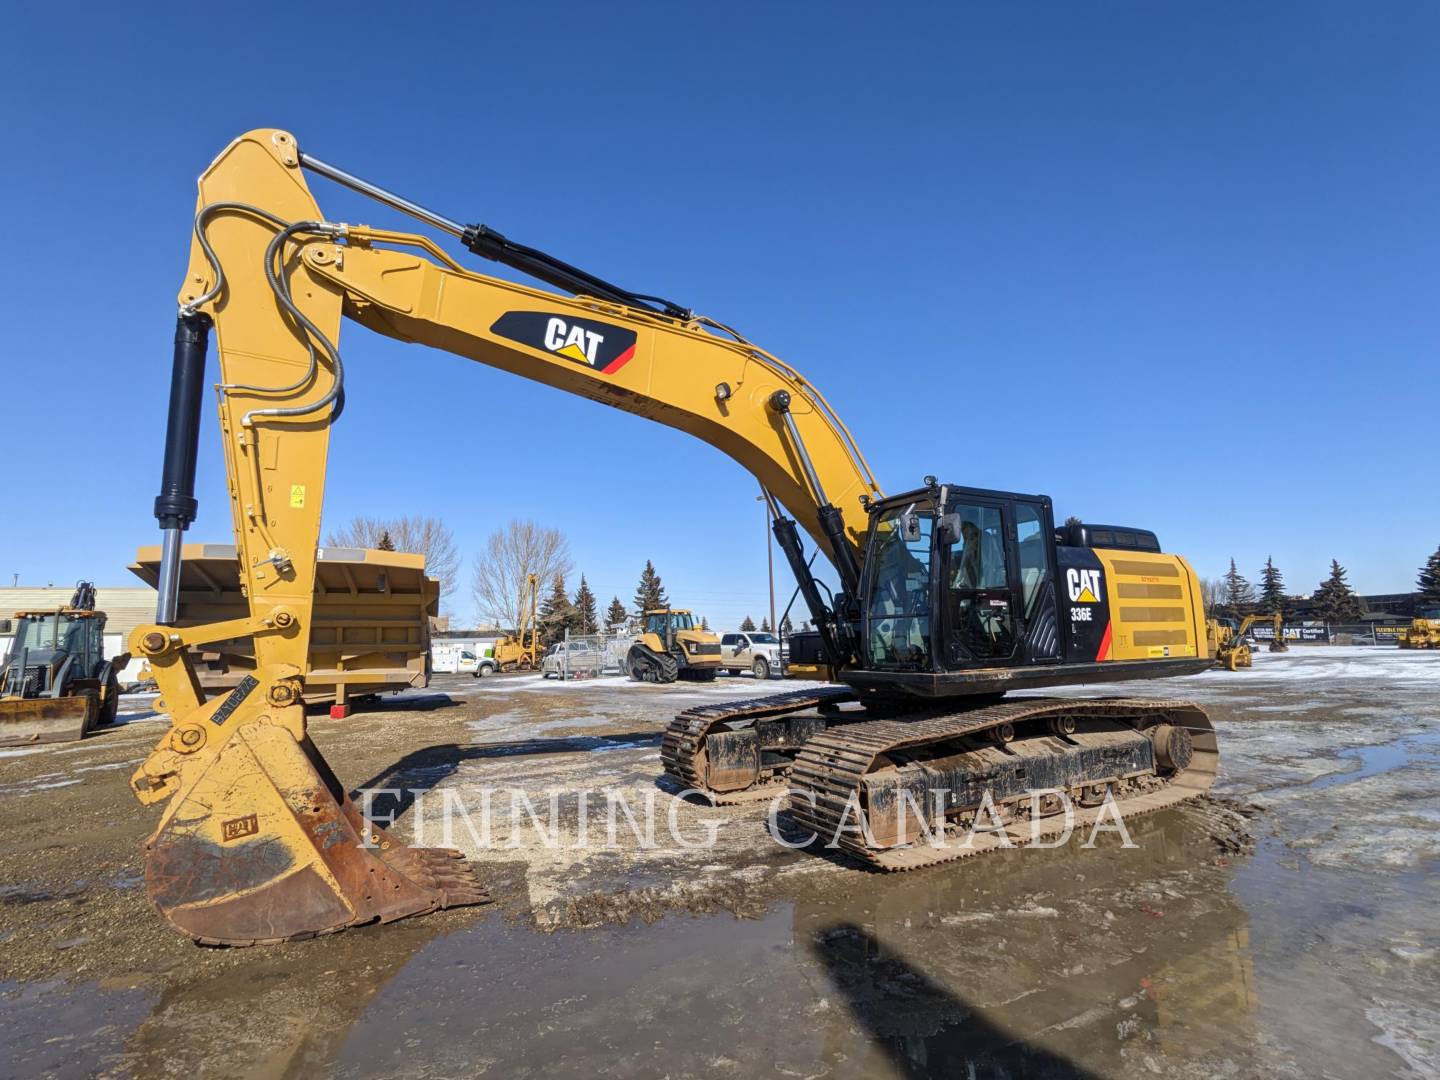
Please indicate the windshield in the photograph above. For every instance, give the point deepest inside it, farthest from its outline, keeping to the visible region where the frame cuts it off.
(657, 622)
(898, 606)
(763, 639)
(40, 633)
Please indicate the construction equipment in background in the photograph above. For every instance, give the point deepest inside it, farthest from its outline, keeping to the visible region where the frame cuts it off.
(949, 596)
(56, 684)
(1229, 645)
(1423, 631)
(371, 628)
(672, 646)
(521, 651)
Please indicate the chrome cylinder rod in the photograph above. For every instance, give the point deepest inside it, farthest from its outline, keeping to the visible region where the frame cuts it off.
(379, 194)
(167, 603)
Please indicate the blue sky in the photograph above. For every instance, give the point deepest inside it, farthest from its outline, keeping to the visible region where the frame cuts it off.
(1174, 266)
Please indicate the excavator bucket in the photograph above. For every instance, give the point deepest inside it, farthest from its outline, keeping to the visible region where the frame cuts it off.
(44, 720)
(262, 845)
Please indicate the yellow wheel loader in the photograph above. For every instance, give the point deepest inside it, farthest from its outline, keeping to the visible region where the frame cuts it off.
(947, 596)
(672, 646)
(56, 684)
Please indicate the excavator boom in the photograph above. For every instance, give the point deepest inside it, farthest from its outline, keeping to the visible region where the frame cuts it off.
(258, 841)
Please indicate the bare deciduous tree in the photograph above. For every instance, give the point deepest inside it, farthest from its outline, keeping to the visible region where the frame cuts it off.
(1212, 592)
(511, 554)
(418, 535)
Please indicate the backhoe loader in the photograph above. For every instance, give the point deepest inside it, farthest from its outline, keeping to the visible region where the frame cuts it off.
(949, 596)
(1228, 642)
(56, 684)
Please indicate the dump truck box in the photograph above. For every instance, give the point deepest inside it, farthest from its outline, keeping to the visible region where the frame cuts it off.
(372, 619)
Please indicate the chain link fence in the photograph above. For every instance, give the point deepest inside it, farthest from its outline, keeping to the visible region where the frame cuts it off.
(588, 656)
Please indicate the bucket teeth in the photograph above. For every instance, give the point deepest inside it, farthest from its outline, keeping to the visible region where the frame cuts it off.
(443, 870)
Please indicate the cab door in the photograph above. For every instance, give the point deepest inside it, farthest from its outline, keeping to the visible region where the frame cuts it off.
(978, 592)
(1035, 563)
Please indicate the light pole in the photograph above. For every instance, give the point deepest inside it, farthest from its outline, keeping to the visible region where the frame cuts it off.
(769, 555)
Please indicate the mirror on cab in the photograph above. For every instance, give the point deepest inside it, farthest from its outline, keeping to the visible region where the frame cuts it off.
(910, 525)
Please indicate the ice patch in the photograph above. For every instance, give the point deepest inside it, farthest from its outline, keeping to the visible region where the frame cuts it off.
(1411, 1031)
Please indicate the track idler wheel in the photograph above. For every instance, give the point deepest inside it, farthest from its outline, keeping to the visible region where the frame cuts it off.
(1174, 748)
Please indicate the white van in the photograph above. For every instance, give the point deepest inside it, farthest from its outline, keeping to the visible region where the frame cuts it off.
(447, 658)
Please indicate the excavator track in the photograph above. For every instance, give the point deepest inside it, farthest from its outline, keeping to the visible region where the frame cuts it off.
(741, 772)
(843, 774)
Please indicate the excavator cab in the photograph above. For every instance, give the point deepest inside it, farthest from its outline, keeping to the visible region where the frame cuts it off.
(969, 591)
(959, 578)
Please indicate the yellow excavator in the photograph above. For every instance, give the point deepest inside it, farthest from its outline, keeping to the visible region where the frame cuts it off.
(949, 596)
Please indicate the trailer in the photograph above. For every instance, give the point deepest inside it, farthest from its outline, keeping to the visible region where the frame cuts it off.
(371, 623)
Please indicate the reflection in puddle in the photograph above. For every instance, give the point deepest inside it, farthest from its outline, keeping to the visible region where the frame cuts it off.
(1139, 953)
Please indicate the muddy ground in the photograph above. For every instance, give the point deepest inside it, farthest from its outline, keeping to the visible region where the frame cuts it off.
(1284, 927)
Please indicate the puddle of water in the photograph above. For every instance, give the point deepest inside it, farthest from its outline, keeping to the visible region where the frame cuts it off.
(85, 1028)
(1382, 758)
(870, 975)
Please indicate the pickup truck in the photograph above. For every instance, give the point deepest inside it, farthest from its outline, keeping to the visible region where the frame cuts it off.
(752, 650)
(572, 659)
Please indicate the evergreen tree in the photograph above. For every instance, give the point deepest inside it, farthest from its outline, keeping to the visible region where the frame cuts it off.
(748, 624)
(617, 613)
(385, 543)
(765, 625)
(1427, 585)
(786, 627)
(650, 594)
(1239, 593)
(704, 624)
(1272, 588)
(584, 604)
(557, 614)
(1334, 600)
(1073, 520)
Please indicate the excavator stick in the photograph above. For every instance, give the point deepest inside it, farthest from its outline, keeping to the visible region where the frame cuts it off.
(260, 844)
(44, 720)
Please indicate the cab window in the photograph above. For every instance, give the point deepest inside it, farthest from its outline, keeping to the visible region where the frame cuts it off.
(898, 607)
(1034, 559)
(979, 596)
